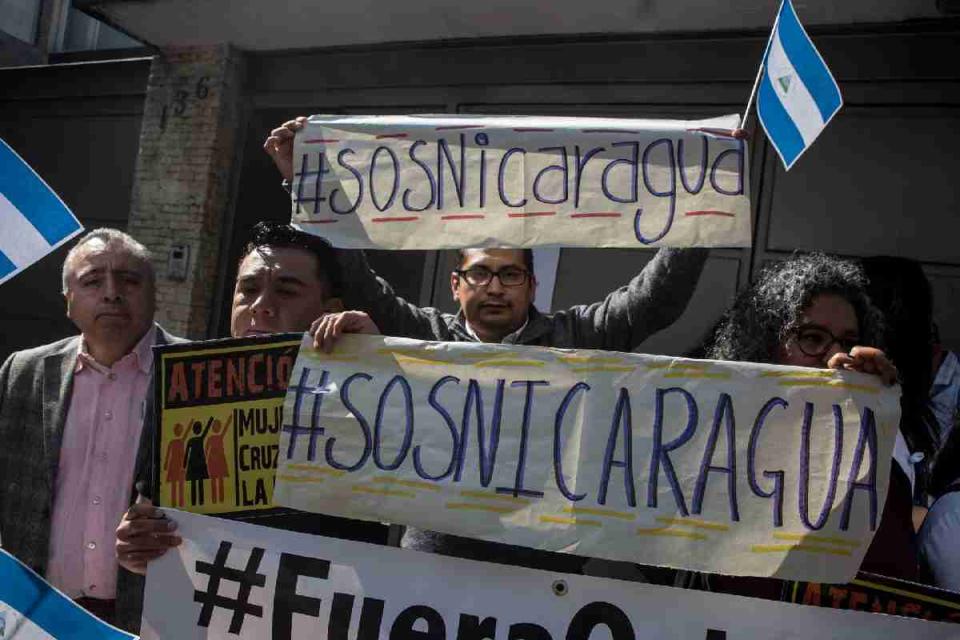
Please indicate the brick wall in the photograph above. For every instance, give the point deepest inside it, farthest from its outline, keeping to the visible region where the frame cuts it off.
(181, 189)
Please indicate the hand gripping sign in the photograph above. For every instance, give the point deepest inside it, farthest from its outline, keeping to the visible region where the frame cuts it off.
(733, 468)
(434, 182)
(234, 580)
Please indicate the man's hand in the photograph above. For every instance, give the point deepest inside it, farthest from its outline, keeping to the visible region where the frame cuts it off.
(328, 328)
(279, 145)
(145, 533)
(866, 360)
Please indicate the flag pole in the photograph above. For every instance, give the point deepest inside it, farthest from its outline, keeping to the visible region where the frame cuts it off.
(763, 62)
(753, 94)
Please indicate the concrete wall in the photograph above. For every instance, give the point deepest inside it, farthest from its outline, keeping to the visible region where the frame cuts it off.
(183, 170)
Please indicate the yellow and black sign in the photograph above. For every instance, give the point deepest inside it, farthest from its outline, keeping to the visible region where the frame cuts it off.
(880, 594)
(220, 415)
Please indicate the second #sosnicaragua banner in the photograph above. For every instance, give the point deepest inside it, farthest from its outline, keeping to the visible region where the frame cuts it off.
(735, 468)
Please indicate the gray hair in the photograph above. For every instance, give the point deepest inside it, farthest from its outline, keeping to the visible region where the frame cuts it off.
(110, 236)
(763, 316)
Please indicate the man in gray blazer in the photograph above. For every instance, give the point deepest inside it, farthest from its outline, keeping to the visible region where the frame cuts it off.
(71, 414)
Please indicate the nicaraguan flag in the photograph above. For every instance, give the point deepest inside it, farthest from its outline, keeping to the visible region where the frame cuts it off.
(33, 219)
(797, 95)
(30, 609)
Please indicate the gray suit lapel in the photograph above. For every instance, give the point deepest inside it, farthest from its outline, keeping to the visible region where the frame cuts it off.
(57, 386)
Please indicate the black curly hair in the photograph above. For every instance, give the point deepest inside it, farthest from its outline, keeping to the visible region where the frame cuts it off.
(284, 235)
(763, 315)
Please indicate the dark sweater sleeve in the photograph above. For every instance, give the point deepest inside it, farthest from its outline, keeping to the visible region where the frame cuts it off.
(364, 290)
(653, 300)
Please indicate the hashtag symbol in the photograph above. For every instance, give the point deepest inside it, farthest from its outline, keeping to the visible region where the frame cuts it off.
(247, 579)
(314, 430)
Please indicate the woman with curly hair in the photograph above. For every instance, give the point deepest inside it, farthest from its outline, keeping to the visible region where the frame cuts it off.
(814, 311)
(772, 320)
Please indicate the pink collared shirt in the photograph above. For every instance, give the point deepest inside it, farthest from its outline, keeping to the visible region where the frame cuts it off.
(97, 459)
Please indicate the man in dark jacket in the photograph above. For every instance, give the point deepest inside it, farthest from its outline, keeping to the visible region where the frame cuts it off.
(495, 289)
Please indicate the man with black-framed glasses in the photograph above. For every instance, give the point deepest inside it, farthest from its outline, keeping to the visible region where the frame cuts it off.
(495, 289)
(494, 292)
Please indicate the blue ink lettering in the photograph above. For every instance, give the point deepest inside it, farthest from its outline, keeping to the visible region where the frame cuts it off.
(426, 170)
(633, 163)
(622, 423)
(739, 153)
(357, 176)
(502, 172)
(373, 182)
(558, 442)
(564, 175)
(451, 425)
(660, 455)
(401, 382)
(724, 414)
(866, 440)
(805, 467)
(671, 193)
(364, 427)
(517, 488)
(487, 446)
(581, 169)
(776, 476)
(703, 166)
(459, 180)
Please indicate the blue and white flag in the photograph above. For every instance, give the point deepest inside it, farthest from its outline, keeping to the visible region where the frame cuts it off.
(30, 609)
(797, 95)
(33, 219)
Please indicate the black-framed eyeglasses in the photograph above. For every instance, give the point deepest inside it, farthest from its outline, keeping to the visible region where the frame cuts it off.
(481, 276)
(815, 341)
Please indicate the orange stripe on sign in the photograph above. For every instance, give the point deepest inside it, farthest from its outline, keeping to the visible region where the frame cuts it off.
(532, 214)
(405, 219)
(464, 216)
(391, 135)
